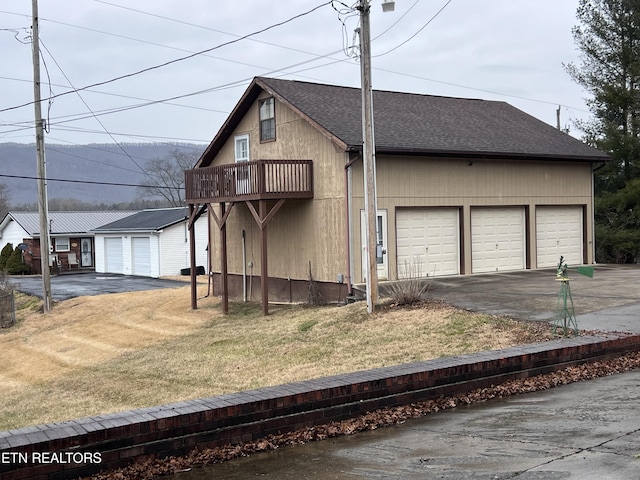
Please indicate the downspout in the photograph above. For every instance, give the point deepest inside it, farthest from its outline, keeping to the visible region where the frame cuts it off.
(348, 182)
(244, 267)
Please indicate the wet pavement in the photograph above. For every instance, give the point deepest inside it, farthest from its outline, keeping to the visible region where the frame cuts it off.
(64, 287)
(583, 431)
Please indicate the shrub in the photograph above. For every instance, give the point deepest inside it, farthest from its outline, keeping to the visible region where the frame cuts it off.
(410, 286)
(6, 252)
(14, 265)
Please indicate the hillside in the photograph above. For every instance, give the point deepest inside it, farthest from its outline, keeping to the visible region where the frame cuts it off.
(107, 163)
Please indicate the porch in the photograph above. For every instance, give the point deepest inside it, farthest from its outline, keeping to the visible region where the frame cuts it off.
(247, 181)
(263, 185)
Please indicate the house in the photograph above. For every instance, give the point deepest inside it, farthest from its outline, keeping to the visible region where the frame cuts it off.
(463, 186)
(150, 243)
(72, 239)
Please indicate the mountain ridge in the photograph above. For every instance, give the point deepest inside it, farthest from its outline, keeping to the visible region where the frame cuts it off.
(93, 173)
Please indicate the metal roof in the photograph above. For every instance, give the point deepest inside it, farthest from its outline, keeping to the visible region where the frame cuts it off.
(147, 220)
(67, 223)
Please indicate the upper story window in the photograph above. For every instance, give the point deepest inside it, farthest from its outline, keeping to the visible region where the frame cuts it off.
(267, 119)
(242, 148)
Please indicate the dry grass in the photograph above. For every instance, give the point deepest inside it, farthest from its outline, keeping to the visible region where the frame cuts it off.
(93, 355)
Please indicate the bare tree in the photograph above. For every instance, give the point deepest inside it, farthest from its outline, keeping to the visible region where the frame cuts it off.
(4, 200)
(165, 177)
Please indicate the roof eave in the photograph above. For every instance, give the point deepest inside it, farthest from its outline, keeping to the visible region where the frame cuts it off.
(479, 154)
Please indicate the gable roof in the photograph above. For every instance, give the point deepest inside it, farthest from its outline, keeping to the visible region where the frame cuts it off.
(413, 124)
(64, 223)
(147, 220)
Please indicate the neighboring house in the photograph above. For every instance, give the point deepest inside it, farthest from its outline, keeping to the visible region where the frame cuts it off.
(463, 186)
(72, 242)
(150, 243)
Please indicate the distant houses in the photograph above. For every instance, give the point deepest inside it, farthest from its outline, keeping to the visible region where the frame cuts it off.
(149, 243)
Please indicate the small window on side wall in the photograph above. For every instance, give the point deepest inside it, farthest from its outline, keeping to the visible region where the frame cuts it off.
(267, 119)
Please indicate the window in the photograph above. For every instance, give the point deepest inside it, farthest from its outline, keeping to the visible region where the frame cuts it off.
(243, 173)
(267, 120)
(242, 148)
(62, 244)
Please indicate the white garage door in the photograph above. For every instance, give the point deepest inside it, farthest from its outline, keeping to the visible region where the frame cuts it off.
(427, 241)
(141, 253)
(559, 232)
(113, 255)
(497, 239)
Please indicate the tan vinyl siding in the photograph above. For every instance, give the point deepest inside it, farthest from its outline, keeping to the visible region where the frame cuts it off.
(465, 183)
(302, 231)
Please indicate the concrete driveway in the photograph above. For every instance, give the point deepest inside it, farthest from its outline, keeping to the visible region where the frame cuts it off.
(64, 287)
(608, 301)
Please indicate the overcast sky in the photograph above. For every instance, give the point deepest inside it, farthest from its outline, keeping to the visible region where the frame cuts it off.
(506, 50)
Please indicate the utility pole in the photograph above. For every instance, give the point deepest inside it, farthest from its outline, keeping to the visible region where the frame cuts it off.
(43, 207)
(368, 158)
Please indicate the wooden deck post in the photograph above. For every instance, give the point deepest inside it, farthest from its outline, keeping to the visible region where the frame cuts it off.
(192, 255)
(223, 260)
(264, 273)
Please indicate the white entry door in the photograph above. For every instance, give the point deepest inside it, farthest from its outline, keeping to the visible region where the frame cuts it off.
(381, 244)
(243, 180)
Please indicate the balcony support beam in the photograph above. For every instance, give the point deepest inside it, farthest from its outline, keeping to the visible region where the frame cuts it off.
(262, 217)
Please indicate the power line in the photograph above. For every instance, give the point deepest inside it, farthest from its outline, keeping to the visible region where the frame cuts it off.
(177, 60)
(93, 114)
(87, 182)
(415, 34)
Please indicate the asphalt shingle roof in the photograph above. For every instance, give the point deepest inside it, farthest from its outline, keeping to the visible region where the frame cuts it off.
(427, 124)
(147, 220)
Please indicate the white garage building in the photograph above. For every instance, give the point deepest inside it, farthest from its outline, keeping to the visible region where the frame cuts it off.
(151, 243)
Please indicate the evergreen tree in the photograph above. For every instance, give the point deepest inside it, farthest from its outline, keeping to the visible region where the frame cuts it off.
(608, 38)
(14, 264)
(6, 252)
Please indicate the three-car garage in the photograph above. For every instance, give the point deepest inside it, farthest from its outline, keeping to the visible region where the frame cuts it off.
(430, 240)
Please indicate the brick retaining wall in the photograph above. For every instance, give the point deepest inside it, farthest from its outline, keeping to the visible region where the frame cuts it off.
(176, 429)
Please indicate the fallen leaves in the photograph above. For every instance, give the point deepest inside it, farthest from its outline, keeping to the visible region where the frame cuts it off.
(152, 468)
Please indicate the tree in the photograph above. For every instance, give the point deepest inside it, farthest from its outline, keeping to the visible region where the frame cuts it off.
(165, 177)
(608, 38)
(5, 253)
(4, 200)
(15, 265)
(609, 41)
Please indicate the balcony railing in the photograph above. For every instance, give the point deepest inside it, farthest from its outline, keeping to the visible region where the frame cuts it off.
(259, 180)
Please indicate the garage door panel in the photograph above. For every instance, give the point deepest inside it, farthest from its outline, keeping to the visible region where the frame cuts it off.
(559, 231)
(427, 240)
(113, 255)
(497, 239)
(141, 256)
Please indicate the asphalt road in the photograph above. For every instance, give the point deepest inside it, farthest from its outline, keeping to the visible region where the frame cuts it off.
(64, 287)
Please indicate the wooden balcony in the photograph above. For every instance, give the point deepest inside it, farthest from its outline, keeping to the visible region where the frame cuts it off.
(259, 180)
